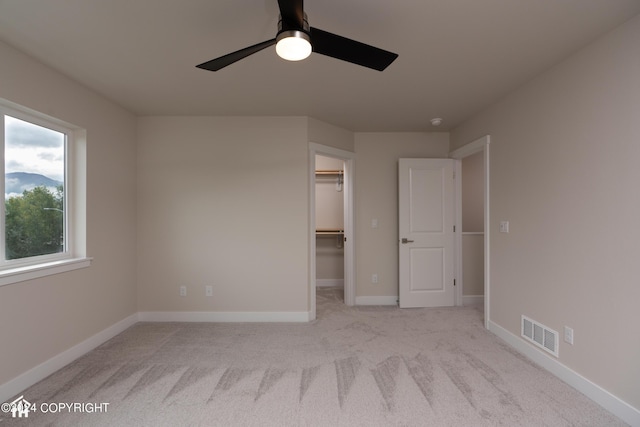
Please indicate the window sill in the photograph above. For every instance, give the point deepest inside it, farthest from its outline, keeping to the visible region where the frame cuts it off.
(21, 274)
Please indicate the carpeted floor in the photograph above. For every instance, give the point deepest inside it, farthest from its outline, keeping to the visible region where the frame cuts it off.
(354, 366)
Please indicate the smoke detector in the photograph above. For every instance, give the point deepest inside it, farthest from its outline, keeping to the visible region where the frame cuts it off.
(437, 121)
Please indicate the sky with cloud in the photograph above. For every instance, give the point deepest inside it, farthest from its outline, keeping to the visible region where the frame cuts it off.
(34, 149)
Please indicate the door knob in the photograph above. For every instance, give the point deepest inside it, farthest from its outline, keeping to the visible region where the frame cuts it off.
(405, 240)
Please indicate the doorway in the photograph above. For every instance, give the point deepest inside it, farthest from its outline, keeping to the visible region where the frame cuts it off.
(472, 229)
(329, 222)
(481, 146)
(335, 232)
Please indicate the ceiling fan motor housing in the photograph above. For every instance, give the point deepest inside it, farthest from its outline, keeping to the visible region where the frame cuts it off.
(291, 29)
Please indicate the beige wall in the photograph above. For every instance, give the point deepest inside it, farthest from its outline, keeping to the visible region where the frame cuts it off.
(473, 193)
(329, 260)
(327, 134)
(376, 195)
(223, 201)
(564, 172)
(57, 312)
(328, 163)
(473, 264)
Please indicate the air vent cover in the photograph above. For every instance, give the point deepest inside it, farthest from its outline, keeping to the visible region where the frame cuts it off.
(540, 335)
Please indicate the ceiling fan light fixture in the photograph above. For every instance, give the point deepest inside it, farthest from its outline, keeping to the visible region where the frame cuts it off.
(293, 45)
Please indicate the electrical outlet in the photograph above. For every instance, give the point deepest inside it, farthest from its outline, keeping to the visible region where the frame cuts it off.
(208, 291)
(374, 278)
(568, 335)
(183, 291)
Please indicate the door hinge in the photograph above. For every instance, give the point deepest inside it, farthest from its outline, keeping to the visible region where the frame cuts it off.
(454, 228)
(454, 282)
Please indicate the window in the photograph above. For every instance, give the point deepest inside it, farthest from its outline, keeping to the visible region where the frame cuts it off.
(34, 171)
(41, 215)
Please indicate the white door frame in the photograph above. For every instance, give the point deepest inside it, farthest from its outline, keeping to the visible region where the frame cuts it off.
(481, 144)
(349, 245)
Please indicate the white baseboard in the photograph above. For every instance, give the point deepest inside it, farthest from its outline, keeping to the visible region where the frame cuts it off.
(373, 300)
(43, 370)
(613, 404)
(472, 299)
(321, 283)
(224, 316)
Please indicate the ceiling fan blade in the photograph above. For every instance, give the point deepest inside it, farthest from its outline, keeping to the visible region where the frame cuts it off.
(230, 58)
(349, 50)
(292, 12)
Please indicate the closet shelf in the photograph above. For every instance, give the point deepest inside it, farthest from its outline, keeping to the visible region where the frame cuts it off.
(328, 232)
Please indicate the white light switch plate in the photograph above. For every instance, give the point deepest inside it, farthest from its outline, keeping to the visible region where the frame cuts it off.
(504, 226)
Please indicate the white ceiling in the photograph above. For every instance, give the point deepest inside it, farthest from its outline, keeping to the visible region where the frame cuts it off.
(455, 56)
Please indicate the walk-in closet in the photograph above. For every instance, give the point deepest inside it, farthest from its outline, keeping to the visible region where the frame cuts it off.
(329, 180)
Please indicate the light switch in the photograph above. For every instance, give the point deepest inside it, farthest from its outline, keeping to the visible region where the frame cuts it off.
(504, 226)
(374, 223)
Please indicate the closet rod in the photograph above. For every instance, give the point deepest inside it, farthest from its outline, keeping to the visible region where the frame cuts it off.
(329, 172)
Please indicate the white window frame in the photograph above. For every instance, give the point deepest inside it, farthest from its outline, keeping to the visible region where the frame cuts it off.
(74, 255)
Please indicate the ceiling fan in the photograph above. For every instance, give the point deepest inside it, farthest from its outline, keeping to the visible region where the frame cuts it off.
(296, 40)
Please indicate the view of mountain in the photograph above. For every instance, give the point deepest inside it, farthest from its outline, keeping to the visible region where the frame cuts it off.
(17, 182)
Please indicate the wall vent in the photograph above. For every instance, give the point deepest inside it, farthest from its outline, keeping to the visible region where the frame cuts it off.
(540, 335)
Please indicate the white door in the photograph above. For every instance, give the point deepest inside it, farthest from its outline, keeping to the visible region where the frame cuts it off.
(426, 245)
